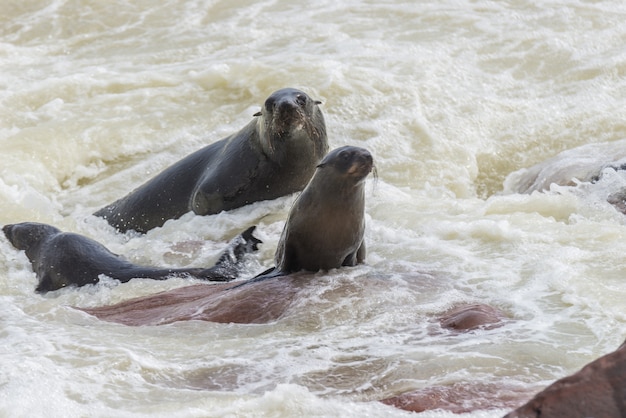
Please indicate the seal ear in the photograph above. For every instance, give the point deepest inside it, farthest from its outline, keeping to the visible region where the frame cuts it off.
(321, 165)
(257, 114)
(317, 102)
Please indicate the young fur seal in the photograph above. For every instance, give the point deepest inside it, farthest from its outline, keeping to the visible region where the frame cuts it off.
(63, 259)
(272, 156)
(325, 226)
(324, 230)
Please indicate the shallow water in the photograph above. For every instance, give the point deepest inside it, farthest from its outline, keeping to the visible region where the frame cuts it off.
(451, 97)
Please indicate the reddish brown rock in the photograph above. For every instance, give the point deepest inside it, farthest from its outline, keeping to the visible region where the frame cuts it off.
(460, 398)
(254, 302)
(469, 317)
(598, 390)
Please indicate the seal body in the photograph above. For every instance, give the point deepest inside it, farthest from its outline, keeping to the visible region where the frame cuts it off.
(272, 156)
(61, 259)
(326, 224)
(324, 230)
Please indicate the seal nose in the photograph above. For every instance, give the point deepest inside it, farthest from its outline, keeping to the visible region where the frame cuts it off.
(288, 104)
(366, 159)
(279, 107)
(8, 231)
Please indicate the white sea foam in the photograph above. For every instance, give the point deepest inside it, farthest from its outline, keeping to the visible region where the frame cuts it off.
(450, 97)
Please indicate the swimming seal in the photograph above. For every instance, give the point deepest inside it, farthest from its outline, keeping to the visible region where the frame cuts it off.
(63, 259)
(324, 230)
(272, 156)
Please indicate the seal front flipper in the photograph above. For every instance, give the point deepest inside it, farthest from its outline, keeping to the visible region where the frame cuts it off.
(357, 257)
(233, 180)
(45, 284)
(230, 263)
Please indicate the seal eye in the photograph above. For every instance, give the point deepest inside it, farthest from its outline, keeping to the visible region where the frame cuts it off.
(270, 103)
(301, 99)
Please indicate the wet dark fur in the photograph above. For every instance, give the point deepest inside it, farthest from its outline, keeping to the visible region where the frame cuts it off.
(274, 155)
(63, 259)
(326, 224)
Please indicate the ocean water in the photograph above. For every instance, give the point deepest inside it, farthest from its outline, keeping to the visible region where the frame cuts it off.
(451, 97)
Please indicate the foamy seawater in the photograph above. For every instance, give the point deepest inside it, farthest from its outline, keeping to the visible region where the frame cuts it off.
(450, 97)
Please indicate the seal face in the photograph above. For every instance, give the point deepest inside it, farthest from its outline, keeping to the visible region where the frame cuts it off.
(326, 224)
(61, 259)
(272, 156)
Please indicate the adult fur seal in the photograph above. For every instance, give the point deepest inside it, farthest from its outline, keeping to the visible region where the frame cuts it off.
(272, 156)
(63, 259)
(324, 230)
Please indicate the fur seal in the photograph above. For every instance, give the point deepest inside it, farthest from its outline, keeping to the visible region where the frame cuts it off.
(63, 259)
(272, 156)
(325, 226)
(324, 230)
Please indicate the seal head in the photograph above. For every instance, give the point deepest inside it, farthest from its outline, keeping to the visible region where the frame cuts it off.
(290, 122)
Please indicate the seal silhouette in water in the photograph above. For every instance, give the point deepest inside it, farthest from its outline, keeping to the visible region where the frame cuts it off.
(324, 230)
(63, 259)
(272, 156)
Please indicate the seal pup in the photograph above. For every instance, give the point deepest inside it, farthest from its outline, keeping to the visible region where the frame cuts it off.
(272, 156)
(583, 164)
(324, 230)
(61, 259)
(325, 226)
